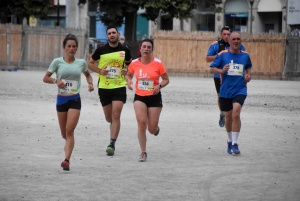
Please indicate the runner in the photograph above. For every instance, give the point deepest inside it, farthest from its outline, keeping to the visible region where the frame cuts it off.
(68, 71)
(148, 100)
(234, 65)
(112, 68)
(214, 49)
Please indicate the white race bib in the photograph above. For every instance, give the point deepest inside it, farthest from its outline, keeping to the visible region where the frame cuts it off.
(235, 69)
(113, 72)
(71, 86)
(146, 85)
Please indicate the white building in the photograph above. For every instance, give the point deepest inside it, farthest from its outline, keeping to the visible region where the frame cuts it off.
(267, 16)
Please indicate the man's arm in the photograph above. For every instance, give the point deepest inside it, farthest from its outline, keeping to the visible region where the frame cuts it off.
(92, 66)
(247, 75)
(215, 70)
(210, 58)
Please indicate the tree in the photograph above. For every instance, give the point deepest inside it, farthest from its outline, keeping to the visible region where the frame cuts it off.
(113, 12)
(26, 8)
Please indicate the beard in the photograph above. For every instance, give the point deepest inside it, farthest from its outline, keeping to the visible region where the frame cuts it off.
(113, 41)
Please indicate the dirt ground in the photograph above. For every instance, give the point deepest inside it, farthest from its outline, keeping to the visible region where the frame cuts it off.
(187, 161)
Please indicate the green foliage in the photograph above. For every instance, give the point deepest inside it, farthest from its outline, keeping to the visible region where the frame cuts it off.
(113, 12)
(213, 4)
(25, 8)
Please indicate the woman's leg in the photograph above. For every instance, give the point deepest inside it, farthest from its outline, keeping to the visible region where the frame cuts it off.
(153, 118)
(140, 109)
(72, 120)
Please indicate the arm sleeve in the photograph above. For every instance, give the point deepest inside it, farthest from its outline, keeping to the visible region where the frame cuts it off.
(130, 68)
(212, 50)
(162, 69)
(53, 66)
(127, 55)
(85, 67)
(249, 63)
(217, 62)
(96, 55)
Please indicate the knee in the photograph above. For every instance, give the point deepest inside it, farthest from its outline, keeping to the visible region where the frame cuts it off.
(70, 132)
(236, 116)
(116, 115)
(142, 125)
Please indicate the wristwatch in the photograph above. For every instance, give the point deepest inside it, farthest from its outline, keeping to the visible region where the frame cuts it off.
(54, 80)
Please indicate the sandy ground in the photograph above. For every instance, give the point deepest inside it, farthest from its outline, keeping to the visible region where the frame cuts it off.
(187, 161)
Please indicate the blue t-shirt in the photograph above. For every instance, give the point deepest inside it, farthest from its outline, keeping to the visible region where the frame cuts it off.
(214, 50)
(233, 83)
(69, 73)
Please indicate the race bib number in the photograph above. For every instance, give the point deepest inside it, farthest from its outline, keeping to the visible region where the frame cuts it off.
(236, 69)
(146, 85)
(113, 72)
(71, 86)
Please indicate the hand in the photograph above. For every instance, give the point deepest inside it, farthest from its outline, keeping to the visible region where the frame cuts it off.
(60, 84)
(247, 78)
(124, 71)
(129, 83)
(91, 87)
(103, 71)
(225, 68)
(156, 90)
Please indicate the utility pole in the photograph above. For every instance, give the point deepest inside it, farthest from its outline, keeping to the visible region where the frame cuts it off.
(57, 6)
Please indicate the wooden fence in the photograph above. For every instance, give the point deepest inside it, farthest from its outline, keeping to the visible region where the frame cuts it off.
(183, 53)
(34, 48)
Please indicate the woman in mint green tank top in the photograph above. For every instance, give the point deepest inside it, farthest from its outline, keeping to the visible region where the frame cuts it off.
(68, 71)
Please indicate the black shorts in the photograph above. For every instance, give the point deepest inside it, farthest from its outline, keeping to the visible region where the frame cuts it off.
(150, 101)
(108, 95)
(217, 84)
(226, 104)
(70, 104)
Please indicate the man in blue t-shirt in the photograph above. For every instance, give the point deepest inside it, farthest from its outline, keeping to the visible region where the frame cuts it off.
(214, 49)
(234, 66)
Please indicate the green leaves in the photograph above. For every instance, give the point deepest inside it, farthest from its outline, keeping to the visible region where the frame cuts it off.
(25, 8)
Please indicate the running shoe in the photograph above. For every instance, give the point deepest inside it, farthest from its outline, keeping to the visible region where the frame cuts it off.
(65, 165)
(229, 148)
(222, 120)
(157, 132)
(143, 157)
(110, 150)
(235, 149)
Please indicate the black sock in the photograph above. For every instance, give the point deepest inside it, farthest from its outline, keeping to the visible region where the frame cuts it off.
(67, 160)
(112, 141)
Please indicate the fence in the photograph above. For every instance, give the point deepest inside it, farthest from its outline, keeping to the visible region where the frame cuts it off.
(292, 64)
(274, 56)
(33, 48)
(184, 53)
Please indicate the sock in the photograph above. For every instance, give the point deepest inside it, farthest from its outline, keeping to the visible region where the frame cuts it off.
(67, 160)
(112, 141)
(235, 136)
(229, 136)
(143, 152)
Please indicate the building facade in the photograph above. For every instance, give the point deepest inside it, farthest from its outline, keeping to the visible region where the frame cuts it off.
(268, 16)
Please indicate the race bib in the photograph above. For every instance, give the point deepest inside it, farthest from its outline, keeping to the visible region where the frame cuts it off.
(235, 69)
(113, 72)
(71, 86)
(146, 85)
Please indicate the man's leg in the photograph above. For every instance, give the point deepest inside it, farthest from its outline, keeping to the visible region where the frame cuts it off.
(114, 112)
(236, 126)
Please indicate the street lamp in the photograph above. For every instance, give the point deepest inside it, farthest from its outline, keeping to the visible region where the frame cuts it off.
(251, 4)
